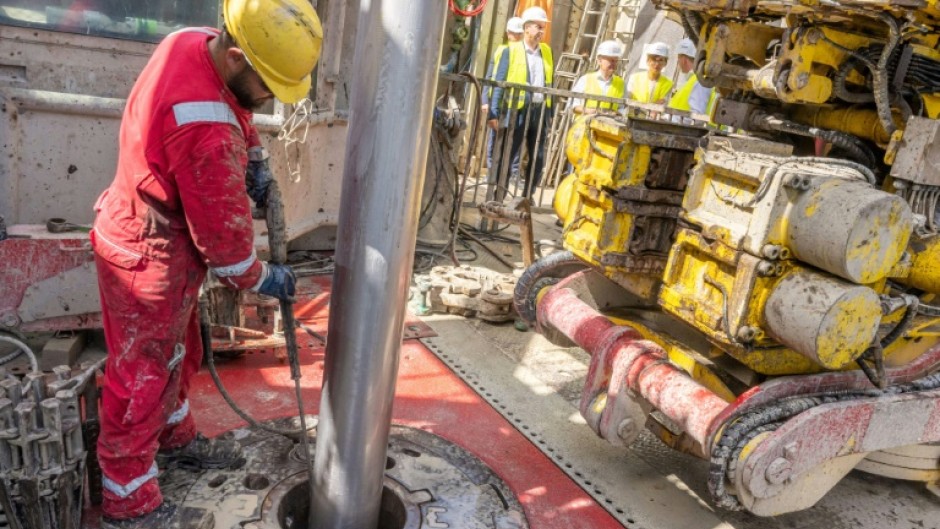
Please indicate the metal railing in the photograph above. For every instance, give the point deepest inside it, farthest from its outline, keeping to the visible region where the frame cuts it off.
(525, 154)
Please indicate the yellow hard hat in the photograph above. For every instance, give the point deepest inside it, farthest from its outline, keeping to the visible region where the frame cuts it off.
(281, 40)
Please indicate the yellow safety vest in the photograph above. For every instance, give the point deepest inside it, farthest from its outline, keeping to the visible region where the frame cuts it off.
(680, 101)
(641, 88)
(592, 86)
(497, 55)
(519, 70)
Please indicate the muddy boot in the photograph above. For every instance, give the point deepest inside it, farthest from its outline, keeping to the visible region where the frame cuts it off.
(165, 516)
(202, 454)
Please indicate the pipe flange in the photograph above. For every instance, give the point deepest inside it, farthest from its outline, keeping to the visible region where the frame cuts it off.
(429, 482)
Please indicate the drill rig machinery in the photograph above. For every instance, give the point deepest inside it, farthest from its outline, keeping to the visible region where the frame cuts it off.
(765, 298)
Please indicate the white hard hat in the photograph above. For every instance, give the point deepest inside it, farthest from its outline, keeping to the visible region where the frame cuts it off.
(686, 47)
(534, 14)
(514, 25)
(658, 48)
(609, 48)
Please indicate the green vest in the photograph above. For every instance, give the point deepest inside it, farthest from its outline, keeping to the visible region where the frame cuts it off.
(680, 101)
(592, 86)
(497, 55)
(519, 70)
(641, 88)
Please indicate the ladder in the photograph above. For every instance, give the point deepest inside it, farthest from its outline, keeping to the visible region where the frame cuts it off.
(624, 29)
(569, 67)
(572, 63)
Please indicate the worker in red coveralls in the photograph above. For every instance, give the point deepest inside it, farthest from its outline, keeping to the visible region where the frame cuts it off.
(177, 207)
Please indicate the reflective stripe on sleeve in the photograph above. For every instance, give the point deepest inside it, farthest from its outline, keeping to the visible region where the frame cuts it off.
(177, 416)
(261, 277)
(124, 491)
(236, 269)
(204, 112)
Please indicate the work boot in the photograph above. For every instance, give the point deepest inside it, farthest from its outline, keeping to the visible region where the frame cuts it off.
(202, 454)
(165, 516)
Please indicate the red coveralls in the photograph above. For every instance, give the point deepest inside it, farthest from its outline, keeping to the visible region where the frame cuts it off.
(177, 206)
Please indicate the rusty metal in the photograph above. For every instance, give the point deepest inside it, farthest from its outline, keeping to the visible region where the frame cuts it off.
(519, 213)
(472, 292)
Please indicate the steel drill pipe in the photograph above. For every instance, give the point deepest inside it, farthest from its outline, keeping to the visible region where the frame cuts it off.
(392, 98)
(647, 372)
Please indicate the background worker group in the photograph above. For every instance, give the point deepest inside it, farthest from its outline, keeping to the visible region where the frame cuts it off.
(649, 86)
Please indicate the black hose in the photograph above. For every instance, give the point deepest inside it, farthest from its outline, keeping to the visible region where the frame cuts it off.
(841, 91)
(553, 265)
(692, 25)
(847, 142)
(206, 334)
(741, 427)
(880, 75)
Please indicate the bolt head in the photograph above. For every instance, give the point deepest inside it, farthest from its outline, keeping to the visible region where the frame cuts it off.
(747, 334)
(778, 471)
(802, 80)
(627, 429)
(9, 319)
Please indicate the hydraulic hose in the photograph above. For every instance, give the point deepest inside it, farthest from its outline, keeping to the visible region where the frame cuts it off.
(880, 75)
(852, 145)
(554, 265)
(22, 349)
(741, 428)
(205, 329)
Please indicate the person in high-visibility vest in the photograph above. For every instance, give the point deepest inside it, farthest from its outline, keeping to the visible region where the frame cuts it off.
(513, 34)
(603, 82)
(691, 95)
(528, 62)
(651, 86)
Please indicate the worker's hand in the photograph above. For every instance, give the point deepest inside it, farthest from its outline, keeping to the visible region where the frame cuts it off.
(280, 282)
(258, 176)
(493, 123)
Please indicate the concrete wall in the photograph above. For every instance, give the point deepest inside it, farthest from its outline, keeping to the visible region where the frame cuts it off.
(61, 98)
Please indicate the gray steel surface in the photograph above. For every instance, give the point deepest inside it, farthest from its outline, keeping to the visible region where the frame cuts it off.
(389, 129)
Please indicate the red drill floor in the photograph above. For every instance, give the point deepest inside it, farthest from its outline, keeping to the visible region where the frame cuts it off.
(428, 396)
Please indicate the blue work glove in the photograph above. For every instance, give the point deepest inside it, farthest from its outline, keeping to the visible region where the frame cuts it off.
(258, 176)
(280, 282)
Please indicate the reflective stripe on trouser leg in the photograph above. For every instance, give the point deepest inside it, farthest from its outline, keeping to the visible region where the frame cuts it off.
(125, 490)
(177, 434)
(145, 312)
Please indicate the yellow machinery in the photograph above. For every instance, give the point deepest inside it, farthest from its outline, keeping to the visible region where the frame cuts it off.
(768, 292)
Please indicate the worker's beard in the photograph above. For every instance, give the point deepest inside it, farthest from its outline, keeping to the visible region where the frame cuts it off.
(239, 86)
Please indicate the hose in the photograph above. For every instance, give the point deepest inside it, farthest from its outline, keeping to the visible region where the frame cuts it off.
(210, 360)
(742, 427)
(457, 10)
(692, 25)
(558, 263)
(880, 75)
(22, 349)
(847, 142)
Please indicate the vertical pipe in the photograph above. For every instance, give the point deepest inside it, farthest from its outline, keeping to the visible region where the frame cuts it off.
(393, 89)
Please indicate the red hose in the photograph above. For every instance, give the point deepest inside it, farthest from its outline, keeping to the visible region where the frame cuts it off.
(468, 12)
